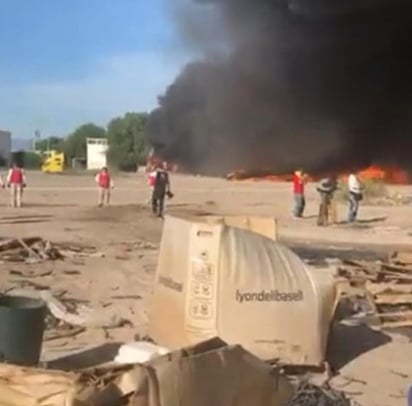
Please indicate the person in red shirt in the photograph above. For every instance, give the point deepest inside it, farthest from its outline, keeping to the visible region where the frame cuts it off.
(105, 184)
(151, 179)
(16, 181)
(299, 181)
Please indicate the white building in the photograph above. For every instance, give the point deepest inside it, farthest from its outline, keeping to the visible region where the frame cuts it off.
(96, 153)
(5, 147)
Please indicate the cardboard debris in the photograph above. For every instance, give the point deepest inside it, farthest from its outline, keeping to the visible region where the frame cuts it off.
(211, 373)
(35, 387)
(213, 272)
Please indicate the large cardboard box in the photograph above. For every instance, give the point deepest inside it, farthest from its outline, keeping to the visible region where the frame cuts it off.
(215, 280)
(211, 374)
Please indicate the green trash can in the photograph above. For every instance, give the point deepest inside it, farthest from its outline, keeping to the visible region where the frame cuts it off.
(22, 323)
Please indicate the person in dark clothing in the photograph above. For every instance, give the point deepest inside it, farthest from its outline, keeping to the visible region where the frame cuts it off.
(161, 189)
(326, 188)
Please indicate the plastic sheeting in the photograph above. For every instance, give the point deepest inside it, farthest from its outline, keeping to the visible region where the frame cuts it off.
(214, 280)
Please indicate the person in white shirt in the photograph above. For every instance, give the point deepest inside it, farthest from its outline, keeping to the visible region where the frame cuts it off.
(355, 196)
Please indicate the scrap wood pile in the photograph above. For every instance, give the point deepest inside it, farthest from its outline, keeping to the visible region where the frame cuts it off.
(388, 286)
(36, 249)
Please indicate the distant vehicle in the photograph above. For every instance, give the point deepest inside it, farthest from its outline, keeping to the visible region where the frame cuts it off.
(53, 162)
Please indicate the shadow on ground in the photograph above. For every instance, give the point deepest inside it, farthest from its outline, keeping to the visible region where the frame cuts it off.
(317, 255)
(86, 359)
(372, 220)
(362, 222)
(347, 343)
(33, 221)
(33, 205)
(26, 219)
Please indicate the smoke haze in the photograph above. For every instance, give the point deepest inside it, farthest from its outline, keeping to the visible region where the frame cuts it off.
(282, 84)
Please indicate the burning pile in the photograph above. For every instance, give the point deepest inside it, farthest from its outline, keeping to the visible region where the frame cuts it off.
(391, 175)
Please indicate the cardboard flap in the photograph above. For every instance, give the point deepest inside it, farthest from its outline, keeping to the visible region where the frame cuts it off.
(220, 377)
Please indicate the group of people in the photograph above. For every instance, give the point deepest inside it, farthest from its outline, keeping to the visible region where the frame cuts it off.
(326, 189)
(158, 180)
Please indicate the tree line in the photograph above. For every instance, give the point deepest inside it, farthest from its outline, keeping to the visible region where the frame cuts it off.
(126, 138)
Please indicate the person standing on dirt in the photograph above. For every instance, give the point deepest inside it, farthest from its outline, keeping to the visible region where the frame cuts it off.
(355, 196)
(2, 184)
(299, 181)
(16, 182)
(326, 188)
(161, 189)
(151, 179)
(105, 184)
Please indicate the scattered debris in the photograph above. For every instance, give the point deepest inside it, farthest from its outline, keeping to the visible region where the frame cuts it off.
(27, 284)
(71, 272)
(387, 285)
(308, 394)
(84, 316)
(126, 297)
(30, 273)
(35, 249)
(62, 332)
(69, 317)
(131, 246)
(401, 374)
(190, 376)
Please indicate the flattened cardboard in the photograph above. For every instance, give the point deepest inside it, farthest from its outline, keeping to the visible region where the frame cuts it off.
(35, 387)
(223, 375)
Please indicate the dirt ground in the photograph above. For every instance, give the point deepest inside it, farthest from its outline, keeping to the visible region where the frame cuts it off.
(375, 366)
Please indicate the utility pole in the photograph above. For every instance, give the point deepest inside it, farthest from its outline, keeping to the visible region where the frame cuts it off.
(36, 137)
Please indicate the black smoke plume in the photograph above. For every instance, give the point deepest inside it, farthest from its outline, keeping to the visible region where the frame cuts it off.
(319, 84)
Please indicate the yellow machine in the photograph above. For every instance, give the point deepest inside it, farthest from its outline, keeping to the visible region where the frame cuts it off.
(53, 162)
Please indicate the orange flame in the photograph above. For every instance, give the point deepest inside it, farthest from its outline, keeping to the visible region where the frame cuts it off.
(391, 175)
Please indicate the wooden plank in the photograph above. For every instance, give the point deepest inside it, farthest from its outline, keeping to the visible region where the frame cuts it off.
(403, 313)
(398, 275)
(390, 298)
(391, 287)
(397, 268)
(397, 324)
(404, 257)
(368, 267)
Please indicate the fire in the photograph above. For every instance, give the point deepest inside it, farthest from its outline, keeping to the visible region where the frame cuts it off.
(390, 175)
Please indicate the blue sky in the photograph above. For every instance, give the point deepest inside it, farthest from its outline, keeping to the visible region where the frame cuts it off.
(65, 62)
